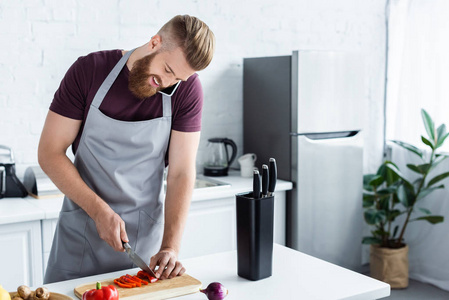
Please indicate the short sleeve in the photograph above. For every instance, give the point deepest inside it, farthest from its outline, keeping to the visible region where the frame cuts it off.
(187, 116)
(70, 98)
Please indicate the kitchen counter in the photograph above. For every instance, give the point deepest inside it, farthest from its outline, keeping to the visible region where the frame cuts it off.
(13, 210)
(295, 276)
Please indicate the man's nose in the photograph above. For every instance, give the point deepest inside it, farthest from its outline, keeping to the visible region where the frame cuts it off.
(168, 80)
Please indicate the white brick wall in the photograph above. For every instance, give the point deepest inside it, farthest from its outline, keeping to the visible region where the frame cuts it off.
(40, 39)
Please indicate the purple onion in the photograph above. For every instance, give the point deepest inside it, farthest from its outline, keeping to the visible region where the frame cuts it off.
(215, 291)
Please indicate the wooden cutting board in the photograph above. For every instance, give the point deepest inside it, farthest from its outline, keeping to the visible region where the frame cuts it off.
(161, 289)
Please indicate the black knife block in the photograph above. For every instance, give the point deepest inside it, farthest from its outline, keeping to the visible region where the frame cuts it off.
(255, 221)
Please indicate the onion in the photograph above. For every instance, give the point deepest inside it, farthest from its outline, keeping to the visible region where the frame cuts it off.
(215, 291)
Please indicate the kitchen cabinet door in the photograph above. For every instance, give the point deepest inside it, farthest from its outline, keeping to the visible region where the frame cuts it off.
(210, 228)
(21, 255)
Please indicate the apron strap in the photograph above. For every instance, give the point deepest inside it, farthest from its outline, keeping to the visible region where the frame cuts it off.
(166, 105)
(107, 83)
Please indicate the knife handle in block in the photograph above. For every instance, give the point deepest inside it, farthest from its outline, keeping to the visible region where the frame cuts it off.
(265, 179)
(273, 176)
(256, 185)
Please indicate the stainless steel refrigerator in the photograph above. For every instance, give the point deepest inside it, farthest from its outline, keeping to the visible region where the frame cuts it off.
(305, 110)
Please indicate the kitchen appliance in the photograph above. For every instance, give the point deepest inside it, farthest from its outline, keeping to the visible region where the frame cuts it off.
(39, 185)
(10, 185)
(217, 159)
(305, 109)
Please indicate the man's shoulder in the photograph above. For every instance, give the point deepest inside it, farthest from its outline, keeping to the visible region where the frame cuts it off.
(193, 83)
(104, 57)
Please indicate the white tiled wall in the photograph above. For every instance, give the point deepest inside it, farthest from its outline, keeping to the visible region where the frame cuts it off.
(40, 39)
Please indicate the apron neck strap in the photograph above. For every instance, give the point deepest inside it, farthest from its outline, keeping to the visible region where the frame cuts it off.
(107, 83)
(166, 106)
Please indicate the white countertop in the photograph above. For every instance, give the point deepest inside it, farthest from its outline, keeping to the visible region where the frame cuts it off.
(13, 210)
(295, 276)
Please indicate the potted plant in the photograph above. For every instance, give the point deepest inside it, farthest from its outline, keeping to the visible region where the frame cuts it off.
(389, 194)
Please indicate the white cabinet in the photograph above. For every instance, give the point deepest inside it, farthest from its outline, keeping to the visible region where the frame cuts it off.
(20, 254)
(211, 226)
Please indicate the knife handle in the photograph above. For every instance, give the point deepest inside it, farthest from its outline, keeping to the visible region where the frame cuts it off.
(273, 176)
(265, 179)
(256, 185)
(126, 246)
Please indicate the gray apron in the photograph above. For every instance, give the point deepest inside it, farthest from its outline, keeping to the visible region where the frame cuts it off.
(123, 162)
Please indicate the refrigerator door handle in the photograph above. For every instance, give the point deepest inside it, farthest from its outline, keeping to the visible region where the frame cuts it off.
(328, 135)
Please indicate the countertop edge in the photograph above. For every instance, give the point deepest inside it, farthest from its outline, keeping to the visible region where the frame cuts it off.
(17, 210)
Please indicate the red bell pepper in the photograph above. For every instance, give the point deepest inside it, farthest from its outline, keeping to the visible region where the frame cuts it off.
(146, 276)
(101, 293)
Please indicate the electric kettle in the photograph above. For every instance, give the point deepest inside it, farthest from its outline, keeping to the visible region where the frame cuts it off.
(217, 159)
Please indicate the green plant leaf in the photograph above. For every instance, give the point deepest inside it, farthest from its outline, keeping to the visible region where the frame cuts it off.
(428, 124)
(425, 210)
(439, 158)
(409, 147)
(395, 170)
(441, 133)
(368, 200)
(437, 178)
(395, 231)
(374, 216)
(371, 240)
(426, 191)
(427, 142)
(414, 168)
(392, 214)
(404, 197)
(420, 169)
(366, 180)
(384, 203)
(441, 140)
(431, 219)
(389, 176)
(376, 181)
(387, 191)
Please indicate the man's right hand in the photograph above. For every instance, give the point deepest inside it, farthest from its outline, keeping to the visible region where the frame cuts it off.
(111, 229)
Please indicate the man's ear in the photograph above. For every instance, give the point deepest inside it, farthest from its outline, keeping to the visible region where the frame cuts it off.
(155, 42)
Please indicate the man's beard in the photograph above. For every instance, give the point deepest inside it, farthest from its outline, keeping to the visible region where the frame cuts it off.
(139, 78)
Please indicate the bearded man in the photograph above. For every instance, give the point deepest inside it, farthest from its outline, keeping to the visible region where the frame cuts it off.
(126, 115)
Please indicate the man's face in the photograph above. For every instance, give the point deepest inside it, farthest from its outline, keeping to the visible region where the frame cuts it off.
(158, 71)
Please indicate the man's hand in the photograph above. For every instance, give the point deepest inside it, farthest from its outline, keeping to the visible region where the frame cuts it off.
(111, 229)
(167, 261)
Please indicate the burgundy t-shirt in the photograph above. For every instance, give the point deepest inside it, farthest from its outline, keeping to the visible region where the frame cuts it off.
(84, 77)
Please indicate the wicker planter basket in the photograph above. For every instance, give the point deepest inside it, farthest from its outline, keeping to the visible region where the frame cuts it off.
(390, 265)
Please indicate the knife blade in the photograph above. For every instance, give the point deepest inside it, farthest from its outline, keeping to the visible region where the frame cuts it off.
(273, 176)
(264, 180)
(256, 185)
(137, 260)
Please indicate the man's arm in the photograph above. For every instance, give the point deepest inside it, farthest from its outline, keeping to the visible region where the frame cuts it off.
(57, 135)
(180, 181)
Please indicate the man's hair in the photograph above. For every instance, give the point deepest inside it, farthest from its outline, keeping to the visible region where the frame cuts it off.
(194, 37)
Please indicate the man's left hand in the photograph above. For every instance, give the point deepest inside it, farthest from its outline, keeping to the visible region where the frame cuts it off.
(167, 261)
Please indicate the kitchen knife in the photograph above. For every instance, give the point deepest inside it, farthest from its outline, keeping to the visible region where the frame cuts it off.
(273, 176)
(265, 179)
(137, 260)
(256, 185)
